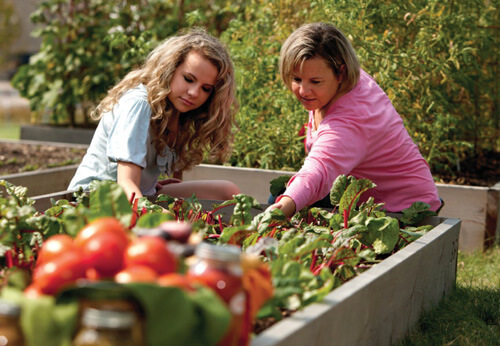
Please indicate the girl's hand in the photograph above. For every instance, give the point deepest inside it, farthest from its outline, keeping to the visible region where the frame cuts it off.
(161, 183)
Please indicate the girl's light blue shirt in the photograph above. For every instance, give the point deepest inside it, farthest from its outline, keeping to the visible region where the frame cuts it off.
(123, 135)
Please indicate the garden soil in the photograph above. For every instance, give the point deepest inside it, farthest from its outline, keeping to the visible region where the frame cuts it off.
(18, 157)
(22, 157)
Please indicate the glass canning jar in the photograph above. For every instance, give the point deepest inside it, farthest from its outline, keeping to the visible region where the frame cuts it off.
(219, 268)
(11, 333)
(99, 327)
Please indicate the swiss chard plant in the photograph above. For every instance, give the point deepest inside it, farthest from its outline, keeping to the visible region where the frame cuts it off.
(317, 250)
(309, 254)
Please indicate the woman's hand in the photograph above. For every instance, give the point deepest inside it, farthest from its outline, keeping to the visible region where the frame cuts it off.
(286, 204)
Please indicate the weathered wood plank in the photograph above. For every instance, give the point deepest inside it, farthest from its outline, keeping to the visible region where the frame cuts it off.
(381, 305)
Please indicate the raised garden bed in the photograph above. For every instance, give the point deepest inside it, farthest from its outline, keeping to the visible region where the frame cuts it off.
(377, 307)
(381, 305)
(63, 134)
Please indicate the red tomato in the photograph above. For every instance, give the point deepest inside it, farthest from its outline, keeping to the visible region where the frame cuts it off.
(54, 247)
(136, 273)
(177, 280)
(64, 270)
(104, 252)
(104, 224)
(152, 252)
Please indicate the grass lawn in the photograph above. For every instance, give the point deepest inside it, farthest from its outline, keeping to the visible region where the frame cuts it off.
(471, 314)
(9, 130)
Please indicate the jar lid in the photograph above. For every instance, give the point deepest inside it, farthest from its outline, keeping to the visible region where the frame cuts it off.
(8, 308)
(229, 253)
(112, 319)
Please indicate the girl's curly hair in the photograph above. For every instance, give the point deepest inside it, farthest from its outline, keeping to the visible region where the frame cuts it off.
(207, 129)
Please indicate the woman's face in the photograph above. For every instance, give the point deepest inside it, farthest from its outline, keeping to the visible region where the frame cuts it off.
(315, 85)
(192, 83)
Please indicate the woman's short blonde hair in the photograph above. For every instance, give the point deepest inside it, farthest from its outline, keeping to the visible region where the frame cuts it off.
(320, 40)
(207, 129)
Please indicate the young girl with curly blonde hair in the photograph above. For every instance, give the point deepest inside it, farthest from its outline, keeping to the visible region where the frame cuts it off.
(163, 117)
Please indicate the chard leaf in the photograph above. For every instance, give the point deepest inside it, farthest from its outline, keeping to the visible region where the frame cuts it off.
(165, 198)
(368, 255)
(18, 194)
(338, 188)
(289, 235)
(234, 235)
(309, 247)
(262, 221)
(359, 219)
(75, 219)
(263, 245)
(370, 208)
(347, 256)
(382, 234)
(329, 282)
(290, 246)
(145, 203)
(270, 309)
(353, 193)
(152, 220)
(344, 236)
(292, 269)
(109, 199)
(416, 213)
(278, 185)
(251, 240)
(344, 272)
(319, 230)
(336, 222)
(420, 229)
(241, 213)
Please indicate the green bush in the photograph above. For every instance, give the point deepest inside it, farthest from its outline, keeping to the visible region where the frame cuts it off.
(88, 45)
(437, 61)
(9, 28)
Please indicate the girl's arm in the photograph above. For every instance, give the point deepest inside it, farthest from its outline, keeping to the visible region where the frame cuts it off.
(129, 178)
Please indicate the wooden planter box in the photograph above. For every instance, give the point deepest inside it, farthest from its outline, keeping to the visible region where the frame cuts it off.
(62, 134)
(377, 307)
(381, 305)
(477, 207)
(43, 181)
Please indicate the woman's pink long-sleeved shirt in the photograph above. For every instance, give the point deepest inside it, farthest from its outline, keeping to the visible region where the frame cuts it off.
(362, 135)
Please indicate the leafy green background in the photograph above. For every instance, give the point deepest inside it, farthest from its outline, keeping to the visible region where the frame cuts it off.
(438, 62)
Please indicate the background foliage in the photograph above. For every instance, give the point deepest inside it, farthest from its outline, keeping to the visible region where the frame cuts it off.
(9, 28)
(438, 62)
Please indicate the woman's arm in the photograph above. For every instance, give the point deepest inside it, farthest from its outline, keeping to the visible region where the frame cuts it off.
(129, 178)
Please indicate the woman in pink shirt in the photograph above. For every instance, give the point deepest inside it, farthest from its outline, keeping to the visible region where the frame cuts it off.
(353, 127)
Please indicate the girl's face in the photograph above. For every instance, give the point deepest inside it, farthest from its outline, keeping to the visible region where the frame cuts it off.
(315, 85)
(192, 83)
